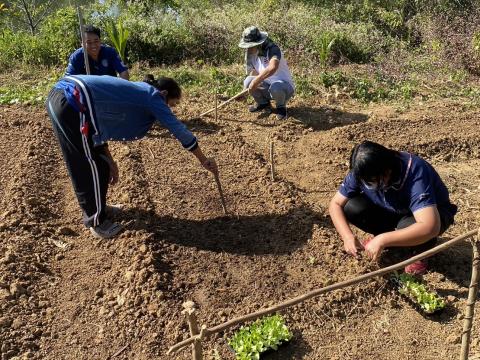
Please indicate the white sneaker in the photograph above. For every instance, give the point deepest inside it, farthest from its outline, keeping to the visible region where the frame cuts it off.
(106, 230)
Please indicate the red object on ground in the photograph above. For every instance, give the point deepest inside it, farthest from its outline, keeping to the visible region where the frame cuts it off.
(419, 267)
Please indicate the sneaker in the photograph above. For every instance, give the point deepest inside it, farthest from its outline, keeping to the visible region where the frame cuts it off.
(106, 230)
(259, 107)
(281, 113)
(417, 268)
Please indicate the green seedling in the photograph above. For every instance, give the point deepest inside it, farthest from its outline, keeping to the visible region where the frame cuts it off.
(411, 287)
(312, 260)
(264, 334)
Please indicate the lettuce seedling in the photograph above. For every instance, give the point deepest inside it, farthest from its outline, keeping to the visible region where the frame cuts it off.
(266, 333)
(429, 302)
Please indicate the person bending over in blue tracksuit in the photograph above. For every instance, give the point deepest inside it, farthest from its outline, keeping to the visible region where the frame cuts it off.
(397, 197)
(88, 111)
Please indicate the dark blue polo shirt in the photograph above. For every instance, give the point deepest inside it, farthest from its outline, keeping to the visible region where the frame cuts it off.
(109, 63)
(419, 186)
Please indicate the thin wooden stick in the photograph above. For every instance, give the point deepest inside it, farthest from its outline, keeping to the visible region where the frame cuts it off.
(472, 297)
(243, 92)
(151, 152)
(222, 198)
(216, 103)
(317, 292)
(272, 162)
(84, 41)
(189, 311)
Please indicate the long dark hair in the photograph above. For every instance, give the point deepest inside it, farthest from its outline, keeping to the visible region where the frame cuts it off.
(369, 161)
(165, 83)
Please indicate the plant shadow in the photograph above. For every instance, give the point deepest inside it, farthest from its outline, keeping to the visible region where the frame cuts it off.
(296, 348)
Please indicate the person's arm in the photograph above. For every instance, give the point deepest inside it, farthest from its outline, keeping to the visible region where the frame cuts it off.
(271, 69)
(114, 173)
(426, 227)
(74, 64)
(125, 75)
(350, 242)
(207, 163)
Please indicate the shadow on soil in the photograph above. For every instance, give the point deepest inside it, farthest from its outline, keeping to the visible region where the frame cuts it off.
(245, 235)
(320, 119)
(195, 125)
(295, 349)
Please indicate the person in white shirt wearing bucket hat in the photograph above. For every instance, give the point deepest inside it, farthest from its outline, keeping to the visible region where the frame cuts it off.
(269, 77)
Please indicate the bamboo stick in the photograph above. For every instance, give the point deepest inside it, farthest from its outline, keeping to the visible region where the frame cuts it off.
(189, 311)
(313, 293)
(220, 191)
(272, 163)
(472, 297)
(216, 103)
(84, 41)
(243, 92)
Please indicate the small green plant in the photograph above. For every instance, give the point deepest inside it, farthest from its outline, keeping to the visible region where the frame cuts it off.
(324, 48)
(266, 333)
(118, 35)
(429, 302)
(476, 43)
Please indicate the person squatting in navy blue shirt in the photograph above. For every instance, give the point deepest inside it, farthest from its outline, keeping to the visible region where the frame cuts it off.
(88, 111)
(397, 197)
(103, 59)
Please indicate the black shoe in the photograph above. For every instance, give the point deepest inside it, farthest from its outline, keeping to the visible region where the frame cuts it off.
(281, 113)
(259, 107)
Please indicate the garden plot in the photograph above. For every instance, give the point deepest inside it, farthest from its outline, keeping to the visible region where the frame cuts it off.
(92, 299)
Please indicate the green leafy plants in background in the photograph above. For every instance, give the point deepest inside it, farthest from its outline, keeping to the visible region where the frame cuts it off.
(266, 333)
(411, 287)
(118, 35)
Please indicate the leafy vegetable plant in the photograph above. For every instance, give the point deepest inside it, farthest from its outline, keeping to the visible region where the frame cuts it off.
(266, 333)
(411, 287)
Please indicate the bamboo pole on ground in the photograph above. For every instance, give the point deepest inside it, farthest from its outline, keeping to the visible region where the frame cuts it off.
(472, 297)
(241, 93)
(84, 41)
(317, 292)
(189, 311)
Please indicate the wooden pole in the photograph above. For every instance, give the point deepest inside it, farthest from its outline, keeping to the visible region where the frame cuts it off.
(220, 191)
(243, 92)
(84, 41)
(272, 163)
(189, 311)
(472, 297)
(216, 102)
(317, 292)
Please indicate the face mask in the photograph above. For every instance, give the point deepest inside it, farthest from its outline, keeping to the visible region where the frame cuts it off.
(375, 185)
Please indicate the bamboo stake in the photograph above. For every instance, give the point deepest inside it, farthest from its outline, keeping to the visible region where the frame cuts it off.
(272, 164)
(84, 41)
(216, 103)
(189, 311)
(472, 296)
(317, 292)
(243, 92)
(220, 191)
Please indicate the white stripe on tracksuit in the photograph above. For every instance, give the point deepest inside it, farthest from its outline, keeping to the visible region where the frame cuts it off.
(86, 148)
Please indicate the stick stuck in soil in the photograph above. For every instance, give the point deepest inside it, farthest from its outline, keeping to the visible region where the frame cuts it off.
(272, 164)
(220, 191)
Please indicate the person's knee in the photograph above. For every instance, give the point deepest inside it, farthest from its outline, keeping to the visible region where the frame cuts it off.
(354, 209)
(277, 90)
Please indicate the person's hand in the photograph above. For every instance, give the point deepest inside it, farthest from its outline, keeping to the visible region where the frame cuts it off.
(352, 246)
(374, 247)
(254, 84)
(210, 165)
(114, 173)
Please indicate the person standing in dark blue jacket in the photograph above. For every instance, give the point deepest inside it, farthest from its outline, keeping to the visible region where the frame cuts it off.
(397, 197)
(103, 59)
(88, 111)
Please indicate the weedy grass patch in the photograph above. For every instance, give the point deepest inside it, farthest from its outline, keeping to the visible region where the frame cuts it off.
(264, 334)
(428, 301)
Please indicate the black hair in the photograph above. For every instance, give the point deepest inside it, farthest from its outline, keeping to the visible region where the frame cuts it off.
(90, 29)
(369, 161)
(165, 83)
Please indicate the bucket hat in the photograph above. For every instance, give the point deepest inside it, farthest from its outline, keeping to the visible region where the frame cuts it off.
(251, 37)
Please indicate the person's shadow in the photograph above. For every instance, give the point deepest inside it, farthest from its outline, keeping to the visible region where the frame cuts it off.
(245, 235)
(325, 118)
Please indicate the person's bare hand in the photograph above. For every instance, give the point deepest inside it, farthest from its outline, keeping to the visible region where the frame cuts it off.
(352, 246)
(210, 165)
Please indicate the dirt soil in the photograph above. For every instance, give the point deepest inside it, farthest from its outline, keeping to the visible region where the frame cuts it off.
(67, 295)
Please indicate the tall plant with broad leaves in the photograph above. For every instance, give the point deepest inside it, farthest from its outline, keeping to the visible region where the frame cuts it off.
(118, 35)
(324, 48)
